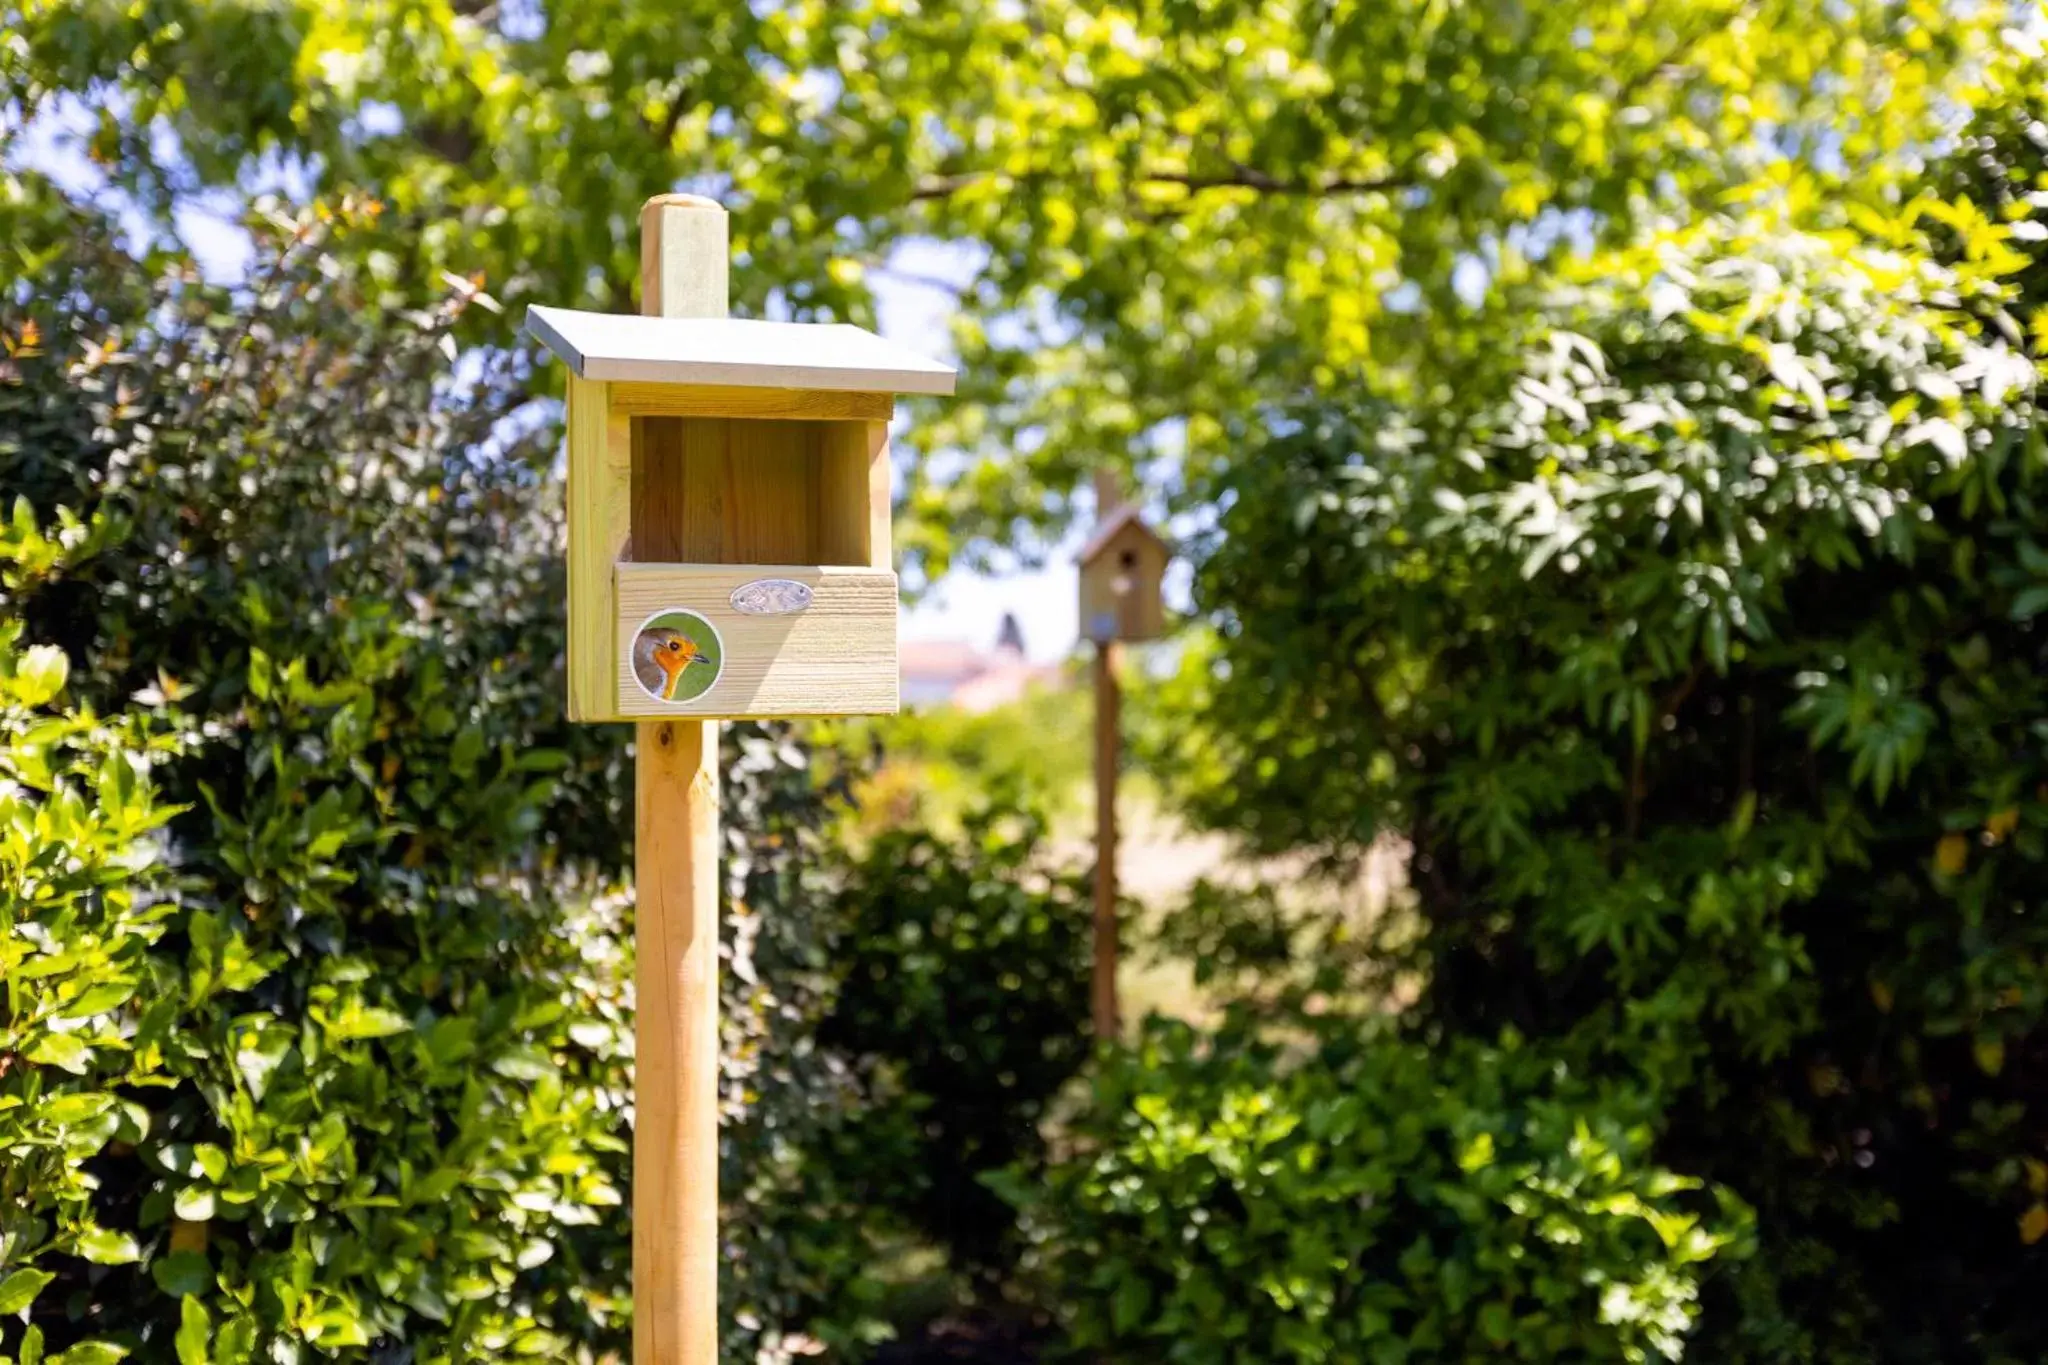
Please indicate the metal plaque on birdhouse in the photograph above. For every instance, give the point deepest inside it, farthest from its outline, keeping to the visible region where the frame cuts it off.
(729, 549)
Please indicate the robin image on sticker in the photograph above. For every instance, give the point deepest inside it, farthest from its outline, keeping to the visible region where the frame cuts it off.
(677, 655)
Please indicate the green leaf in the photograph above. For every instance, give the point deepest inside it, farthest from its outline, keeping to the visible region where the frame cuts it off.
(194, 1203)
(182, 1273)
(523, 1063)
(91, 1353)
(63, 1050)
(261, 1054)
(98, 998)
(104, 1246)
(40, 674)
(1990, 1054)
(78, 1107)
(195, 1333)
(2030, 603)
(19, 1290)
(1477, 1155)
(211, 1160)
(1127, 1308)
(357, 1022)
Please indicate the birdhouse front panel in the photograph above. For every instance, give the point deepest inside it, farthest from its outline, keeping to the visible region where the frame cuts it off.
(729, 550)
(803, 640)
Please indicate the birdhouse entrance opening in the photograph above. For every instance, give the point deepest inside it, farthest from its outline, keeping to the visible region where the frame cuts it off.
(730, 490)
(775, 533)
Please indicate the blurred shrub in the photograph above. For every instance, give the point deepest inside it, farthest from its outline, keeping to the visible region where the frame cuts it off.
(937, 764)
(1695, 642)
(966, 987)
(350, 1055)
(1371, 1201)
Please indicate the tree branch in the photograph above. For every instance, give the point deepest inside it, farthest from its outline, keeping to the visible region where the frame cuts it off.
(1679, 53)
(951, 288)
(665, 131)
(1238, 178)
(1247, 178)
(1638, 790)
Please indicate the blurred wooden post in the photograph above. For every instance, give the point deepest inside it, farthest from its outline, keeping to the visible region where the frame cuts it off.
(1102, 995)
(1108, 703)
(683, 273)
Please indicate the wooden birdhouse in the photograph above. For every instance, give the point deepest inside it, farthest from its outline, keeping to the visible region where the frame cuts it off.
(729, 551)
(1122, 567)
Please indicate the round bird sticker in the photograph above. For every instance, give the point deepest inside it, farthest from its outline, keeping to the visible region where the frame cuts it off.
(677, 655)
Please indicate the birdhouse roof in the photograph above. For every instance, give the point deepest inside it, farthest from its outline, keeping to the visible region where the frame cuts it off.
(1124, 517)
(734, 352)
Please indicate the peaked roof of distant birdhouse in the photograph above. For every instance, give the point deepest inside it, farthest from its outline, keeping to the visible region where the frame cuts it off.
(1126, 515)
(735, 352)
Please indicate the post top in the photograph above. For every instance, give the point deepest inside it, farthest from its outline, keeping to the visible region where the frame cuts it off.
(682, 201)
(734, 352)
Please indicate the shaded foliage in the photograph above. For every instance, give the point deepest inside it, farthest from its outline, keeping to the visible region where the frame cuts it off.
(966, 986)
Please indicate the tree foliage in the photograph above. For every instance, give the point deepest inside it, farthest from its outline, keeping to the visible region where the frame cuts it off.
(1166, 215)
(1694, 647)
(1614, 466)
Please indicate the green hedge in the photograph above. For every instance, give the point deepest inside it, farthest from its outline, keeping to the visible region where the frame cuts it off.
(342, 1072)
(1369, 1200)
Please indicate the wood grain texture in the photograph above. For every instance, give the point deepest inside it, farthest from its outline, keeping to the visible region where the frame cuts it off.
(771, 479)
(599, 523)
(817, 405)
(683, 258)
(837, 658)
(853, 494)
(683, 265)
(675, 1068)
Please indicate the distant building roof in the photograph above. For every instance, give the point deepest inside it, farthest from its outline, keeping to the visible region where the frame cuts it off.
(1008, 681)
(939, 659)
(956, 673)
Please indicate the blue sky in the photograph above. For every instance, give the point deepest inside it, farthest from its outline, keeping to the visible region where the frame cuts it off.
(967, 606)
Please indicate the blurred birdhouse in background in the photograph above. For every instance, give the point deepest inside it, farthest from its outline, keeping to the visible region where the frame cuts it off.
(1122, 567)
(729, 551)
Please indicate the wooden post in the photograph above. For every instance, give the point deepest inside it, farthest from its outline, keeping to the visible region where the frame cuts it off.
(1109, 493)
(1107, 703)
(683, 271)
